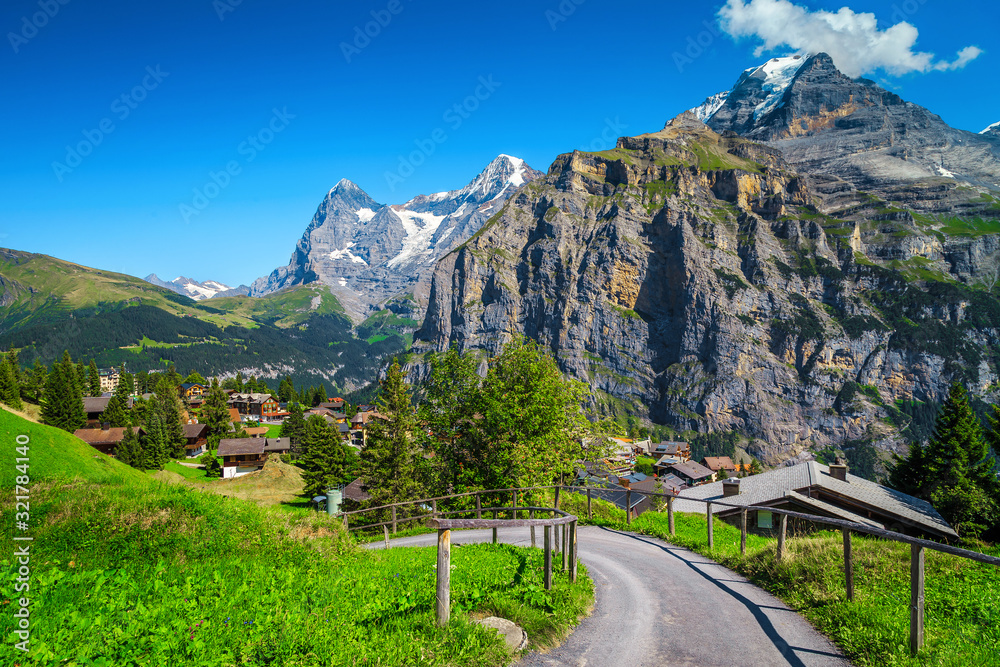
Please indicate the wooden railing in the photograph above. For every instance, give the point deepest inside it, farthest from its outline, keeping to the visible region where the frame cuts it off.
(917, 546)
(569, 523)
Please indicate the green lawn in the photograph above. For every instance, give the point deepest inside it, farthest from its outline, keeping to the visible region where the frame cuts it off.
(962, 613)
(127, 570)
(274, 431)
(193, 474)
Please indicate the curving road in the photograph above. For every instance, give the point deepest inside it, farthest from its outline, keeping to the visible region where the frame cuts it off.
(658, 604)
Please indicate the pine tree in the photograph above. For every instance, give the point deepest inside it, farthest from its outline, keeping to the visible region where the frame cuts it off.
(326, 462)
(62, 403)
(286, 391)
(20, 379)
(117, 413)
(94, 379)
(215, 413)
(168, 406)
(909, 474)
(36, 381)
(294, 427)
(129, 450)
(391, 462)
(10, 393)
(154, 443)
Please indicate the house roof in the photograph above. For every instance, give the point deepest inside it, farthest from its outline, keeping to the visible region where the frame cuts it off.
(195, 430)
(768, 487)
(277, 444)
(719, 463)
(98, 436)
(95, 403)
(234, 415)
(256, 430)
(335, 404)
(250, 398)
(188, 385)
(614, 494)
(668, 460)
(691, 469)
(240, 446)
(670, 447)
(356, 491)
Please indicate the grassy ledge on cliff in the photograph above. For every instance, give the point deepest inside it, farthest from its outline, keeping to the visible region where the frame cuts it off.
(127, 570)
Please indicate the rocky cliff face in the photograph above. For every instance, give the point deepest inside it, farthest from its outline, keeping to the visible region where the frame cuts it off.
(708, 282)
(369, 252)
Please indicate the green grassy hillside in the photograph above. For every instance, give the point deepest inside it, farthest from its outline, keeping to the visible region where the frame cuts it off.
(48, 305)
(126, 570)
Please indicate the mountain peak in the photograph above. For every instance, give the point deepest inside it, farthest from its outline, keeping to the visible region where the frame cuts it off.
(992, 131)
(345, 185)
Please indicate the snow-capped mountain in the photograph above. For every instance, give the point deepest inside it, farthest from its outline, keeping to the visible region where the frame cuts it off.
(196, 290)
(851, 128)
(368, 252)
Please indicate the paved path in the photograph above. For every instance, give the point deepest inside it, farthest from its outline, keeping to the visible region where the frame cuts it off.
(659, 605)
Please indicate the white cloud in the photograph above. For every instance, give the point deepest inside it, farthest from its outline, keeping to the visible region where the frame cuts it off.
(852, 39)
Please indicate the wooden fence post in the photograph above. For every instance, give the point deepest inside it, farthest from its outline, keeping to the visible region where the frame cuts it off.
(628, 507)
(670, 514)
(711, 533)
(848, 565)
(548, 557)
(393, 519)
(385, 529)
(781, 536)
(479, 507)
(555, 536)
(557, 496)
(916, 598)
(444, 576)
(514, 513)
(434, 508)
(572, 557)
(531, 515)
(590, 514)
(566, 546)
(346, 527)
(743, 532)
(494, 527)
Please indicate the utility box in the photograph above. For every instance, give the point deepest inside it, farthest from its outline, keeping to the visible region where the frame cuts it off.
(334, 499)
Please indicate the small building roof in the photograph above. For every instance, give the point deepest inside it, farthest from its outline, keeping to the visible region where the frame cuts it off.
(356, 491)
(691, 470)
(234, 415)
(100, 436)
(95, 403)
(277, 444)
(716, 463)
(774, 485)
(195, 430)
(670, 447)
(256, 431)
(241, 446)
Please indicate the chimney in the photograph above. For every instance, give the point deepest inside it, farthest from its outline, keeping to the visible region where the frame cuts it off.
(838, 470)
(731, 487)
(105, 426)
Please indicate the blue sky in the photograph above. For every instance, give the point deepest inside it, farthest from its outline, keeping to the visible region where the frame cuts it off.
(208, 132)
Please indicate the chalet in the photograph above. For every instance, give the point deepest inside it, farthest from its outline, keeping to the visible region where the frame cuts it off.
(671, 483)
(258, 406)
(109, 378)
(618, 496)
(681, 450)
(94, 406)
(196, 437)
(692, 473)
(241, 456)
(192, 390)
(104, 439)
(720, 464)
(335, 405)
(813, 488)
(359, 427)
(663, 464)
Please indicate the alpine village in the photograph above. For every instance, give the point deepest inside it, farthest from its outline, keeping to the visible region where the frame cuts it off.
(727, 393)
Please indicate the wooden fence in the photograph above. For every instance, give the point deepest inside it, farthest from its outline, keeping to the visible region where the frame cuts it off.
(569, 524)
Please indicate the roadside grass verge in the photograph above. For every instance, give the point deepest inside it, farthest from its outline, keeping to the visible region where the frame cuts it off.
(962, 606)
(187, 472)
(126, 570)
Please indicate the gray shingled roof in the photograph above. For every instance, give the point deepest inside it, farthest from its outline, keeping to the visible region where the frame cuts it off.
(773, 485)
(240, 446)
(691, 469)
(95, 403)
(277, 444)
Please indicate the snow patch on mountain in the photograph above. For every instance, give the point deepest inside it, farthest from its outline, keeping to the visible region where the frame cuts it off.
(365, 214)
(347, 254)
(420, 229)
(944, 172)
(994, 128)
(196, 290)
(778, 74)
(707, 109)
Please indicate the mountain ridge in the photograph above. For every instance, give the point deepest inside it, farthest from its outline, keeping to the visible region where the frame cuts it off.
(368, 253)
(198, 291)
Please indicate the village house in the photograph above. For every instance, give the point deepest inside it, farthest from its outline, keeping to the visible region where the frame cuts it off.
(277, 446)
(334, 405)
(359, 427)
(692, 473)
(105, 439)
(192, 390)
(680, 450)
(256, 406)
(196, 439)
(813, 488)
(241, 456)
(723, 465)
